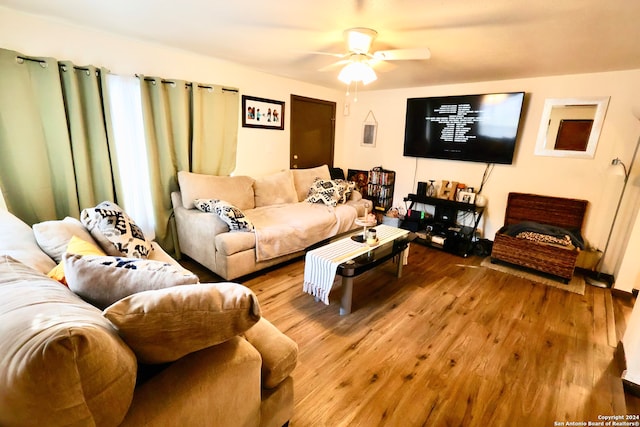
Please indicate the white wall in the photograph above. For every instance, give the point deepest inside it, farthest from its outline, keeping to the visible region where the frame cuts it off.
(260, 151)
(263, 151)
(592, 179)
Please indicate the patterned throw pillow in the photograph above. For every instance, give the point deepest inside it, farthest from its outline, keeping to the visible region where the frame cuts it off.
(205, 205)
(115, 231)
(103, 280)
(230, 214)
(330, 192)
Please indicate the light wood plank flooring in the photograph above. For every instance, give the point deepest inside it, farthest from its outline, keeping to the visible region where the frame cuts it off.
(451, 343)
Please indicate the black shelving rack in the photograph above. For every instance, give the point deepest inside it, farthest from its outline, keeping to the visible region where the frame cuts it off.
(442, 230)
(380, 188)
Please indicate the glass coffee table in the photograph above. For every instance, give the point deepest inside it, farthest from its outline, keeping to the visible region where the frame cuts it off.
(392, 242)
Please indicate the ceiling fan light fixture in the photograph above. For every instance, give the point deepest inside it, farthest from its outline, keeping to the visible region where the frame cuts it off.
(359, 39)
(357, 72)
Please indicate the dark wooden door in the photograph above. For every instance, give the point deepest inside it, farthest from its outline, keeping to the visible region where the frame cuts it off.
(312, 132)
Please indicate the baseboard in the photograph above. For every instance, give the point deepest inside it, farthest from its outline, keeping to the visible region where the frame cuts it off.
(618, 293)
(629, 387)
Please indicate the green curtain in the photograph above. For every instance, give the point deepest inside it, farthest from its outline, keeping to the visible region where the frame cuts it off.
(54, 156)
(36, 164)
(82, 90)
(187, 127)
(166, 114)
(215, 129)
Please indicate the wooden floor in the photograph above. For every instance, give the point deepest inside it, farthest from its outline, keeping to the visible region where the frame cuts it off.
(451, 343)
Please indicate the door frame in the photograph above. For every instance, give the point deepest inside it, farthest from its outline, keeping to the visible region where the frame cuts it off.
(332, 104)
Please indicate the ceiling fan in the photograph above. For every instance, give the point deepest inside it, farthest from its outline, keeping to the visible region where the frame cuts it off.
(358, 61)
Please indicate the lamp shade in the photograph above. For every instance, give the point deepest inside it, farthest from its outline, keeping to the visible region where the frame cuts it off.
(356, 72)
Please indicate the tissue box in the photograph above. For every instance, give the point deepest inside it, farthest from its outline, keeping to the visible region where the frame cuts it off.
(389, 220)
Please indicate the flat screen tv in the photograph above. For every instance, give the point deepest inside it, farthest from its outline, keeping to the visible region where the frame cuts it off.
(476, 128)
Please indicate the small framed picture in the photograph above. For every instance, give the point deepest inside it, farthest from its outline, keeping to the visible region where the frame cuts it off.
(262, 113)
(466, 197)
(369, 134)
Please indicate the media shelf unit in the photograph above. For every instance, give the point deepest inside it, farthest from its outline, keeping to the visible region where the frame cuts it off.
(380, 189)
(442, 230)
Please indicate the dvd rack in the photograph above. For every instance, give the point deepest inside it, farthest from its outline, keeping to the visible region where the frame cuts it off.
(380, 188)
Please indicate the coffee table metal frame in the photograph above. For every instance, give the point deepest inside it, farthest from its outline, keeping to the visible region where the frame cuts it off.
(374, 257)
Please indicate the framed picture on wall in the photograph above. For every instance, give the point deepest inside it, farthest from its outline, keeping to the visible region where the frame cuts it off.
(369, 131)
(262, 113)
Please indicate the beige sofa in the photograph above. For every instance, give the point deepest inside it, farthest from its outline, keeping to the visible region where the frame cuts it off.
(191, 355)
(285, 224)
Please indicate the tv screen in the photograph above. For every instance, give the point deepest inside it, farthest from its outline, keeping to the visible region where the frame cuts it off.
(477, 128)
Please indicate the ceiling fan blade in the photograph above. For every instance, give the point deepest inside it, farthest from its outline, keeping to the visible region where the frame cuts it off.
(336, 55)
(403, 54)
(334, 65)
(380, 65)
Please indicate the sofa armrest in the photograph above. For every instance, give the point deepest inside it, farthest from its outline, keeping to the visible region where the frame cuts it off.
(196, 230)
(362, 206)
(217, 386)
(279, 352)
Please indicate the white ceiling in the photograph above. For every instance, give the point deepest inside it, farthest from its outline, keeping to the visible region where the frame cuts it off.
(470, 40)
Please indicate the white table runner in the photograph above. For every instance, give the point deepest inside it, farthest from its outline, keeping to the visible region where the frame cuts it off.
(321, 264)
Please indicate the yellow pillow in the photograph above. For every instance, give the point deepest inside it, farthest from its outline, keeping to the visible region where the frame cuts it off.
(76, 246)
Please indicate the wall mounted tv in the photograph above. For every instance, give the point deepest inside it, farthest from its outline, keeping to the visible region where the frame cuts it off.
(476, 128)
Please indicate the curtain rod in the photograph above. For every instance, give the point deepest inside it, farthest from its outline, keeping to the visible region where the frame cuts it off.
(171, 82)
(21, 59)
(63, 67)
(44, 63)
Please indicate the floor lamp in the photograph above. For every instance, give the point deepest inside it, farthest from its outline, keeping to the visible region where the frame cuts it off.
(598, 278)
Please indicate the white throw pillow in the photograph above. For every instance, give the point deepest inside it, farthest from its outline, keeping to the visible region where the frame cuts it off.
(54, 236)
(116, 233)
(103, 280)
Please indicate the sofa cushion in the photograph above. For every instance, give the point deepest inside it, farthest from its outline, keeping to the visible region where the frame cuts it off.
(237, 190)
(231, 243)
(63, 362)
(17, 240)
(79, 247)
(116, 233)
(102, 280)
(54, 236)
(275, 189)
(303, 179)
(164, 325)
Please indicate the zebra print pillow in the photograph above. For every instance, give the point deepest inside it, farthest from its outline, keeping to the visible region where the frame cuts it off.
(116, 233)
(330, 192)
(231, 215)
